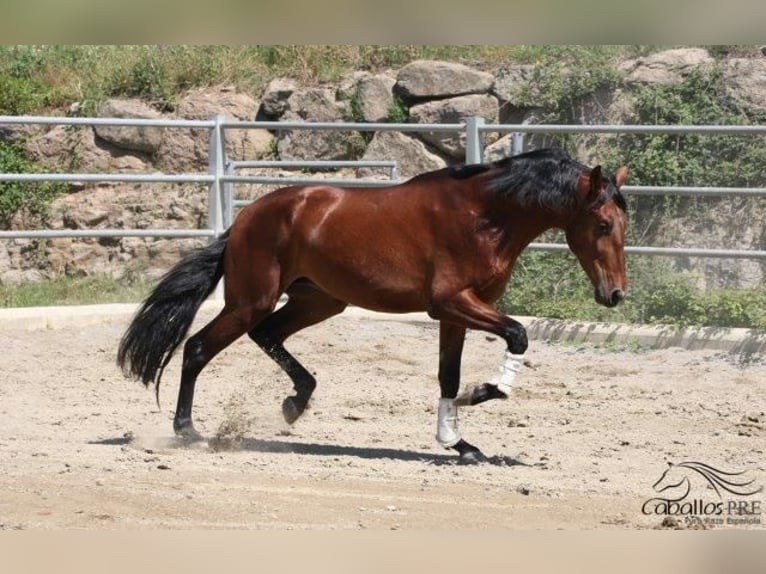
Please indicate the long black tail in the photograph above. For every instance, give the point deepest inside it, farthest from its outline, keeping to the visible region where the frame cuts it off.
(167, 314)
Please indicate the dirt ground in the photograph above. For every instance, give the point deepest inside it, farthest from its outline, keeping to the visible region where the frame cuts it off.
(584, 436)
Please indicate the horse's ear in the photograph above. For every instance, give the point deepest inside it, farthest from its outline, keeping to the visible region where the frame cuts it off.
(590, 185)
(621, 176)
(595, 178)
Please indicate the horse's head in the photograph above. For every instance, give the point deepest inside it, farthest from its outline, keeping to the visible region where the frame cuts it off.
(677, 475)
(596, 233)
(670, 478)
(673, 484)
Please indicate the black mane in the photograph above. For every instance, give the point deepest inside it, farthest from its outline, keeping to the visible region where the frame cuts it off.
(546, 177)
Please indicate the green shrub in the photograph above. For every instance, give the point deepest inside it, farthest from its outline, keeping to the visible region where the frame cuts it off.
(74, 291)
(30, 198)
(21, 91)
(688, 159)
(398, 113)
(554, 285)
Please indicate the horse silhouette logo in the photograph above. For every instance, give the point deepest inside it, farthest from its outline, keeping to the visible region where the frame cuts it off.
(676, 480)
(676, 484)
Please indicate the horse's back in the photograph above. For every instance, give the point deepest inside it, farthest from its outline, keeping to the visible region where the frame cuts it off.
(369, 247)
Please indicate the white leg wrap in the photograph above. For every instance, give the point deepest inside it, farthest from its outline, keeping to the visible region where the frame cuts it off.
(504, 379)
(447, 433)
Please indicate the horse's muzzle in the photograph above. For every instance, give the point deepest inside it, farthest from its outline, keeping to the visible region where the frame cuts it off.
(612, 299)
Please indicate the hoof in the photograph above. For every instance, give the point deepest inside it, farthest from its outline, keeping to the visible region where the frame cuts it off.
(469, 454)
(188, 433)
(480, 394)
(290, 410)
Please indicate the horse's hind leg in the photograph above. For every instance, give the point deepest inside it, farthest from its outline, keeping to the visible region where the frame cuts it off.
(306, 306)
(200, 348)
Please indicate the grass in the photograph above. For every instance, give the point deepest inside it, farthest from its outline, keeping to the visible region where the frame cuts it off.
(553, 285)
(658, 298)
(36, 78)
(74, 291)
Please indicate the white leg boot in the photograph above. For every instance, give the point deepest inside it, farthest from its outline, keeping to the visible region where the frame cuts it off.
(502, 382)
(447, 433)
(504, 379)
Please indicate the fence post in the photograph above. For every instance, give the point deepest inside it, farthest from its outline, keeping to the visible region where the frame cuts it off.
(228, 197)
(517, 143)
(215, 211)
(216, 159)
(474, 150)
(393, 173)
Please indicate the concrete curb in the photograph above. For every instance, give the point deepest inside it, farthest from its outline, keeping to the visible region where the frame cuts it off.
(739, 341)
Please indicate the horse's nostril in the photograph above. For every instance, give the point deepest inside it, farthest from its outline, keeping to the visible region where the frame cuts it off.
(617, 296)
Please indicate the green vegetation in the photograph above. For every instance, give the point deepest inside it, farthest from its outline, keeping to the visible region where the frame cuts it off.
(688, 159)
(553, 285)
(32, 199)
(33, 78)
(398, 112)
(543, 284)
(74, 291)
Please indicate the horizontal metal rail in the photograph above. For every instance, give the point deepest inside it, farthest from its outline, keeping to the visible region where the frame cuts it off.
(623, 129)
(218, 126)
(126, 122)
(378, 126)
(670, 251)
(701, 191)
(58, 233)
(180, 233)
(109, 177)
(206, 179)
(336, 182)
(311, 164)
(344, 126)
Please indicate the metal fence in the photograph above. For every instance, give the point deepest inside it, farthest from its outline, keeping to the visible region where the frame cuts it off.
(221, 176)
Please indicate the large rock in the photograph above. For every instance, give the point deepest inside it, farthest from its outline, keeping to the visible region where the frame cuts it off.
(411, 155)
(498, 150)
(274, 98)
(666, 68)
(375, 96)
(206, 103)
(518, 86)
(745, 80)
(429, 79)
(143, 139)
(185, 150)
(452, 111)
(316, 105)
(731, 223)
(127, 206)
(77, 149)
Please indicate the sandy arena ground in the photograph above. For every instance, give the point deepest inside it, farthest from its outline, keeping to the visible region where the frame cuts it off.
(580, 443)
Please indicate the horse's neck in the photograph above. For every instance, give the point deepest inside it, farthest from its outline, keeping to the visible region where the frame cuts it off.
(520, 226)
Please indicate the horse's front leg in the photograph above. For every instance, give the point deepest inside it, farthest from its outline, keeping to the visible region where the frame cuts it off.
(466, 309)
(451, 339)
(456, 313)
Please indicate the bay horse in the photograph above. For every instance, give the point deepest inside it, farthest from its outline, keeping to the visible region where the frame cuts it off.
(443, 242)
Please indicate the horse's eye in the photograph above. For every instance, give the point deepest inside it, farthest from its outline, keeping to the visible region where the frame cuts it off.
(604, 228)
